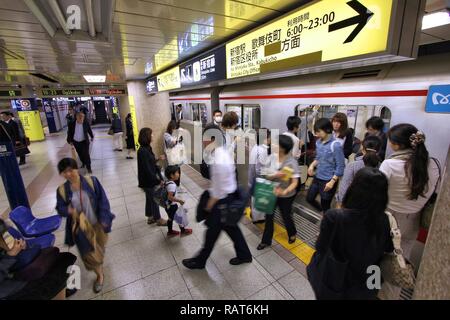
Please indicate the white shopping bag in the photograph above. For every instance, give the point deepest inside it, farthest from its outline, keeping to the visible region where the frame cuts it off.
(176, 155)
(181, 217)
(256, 214)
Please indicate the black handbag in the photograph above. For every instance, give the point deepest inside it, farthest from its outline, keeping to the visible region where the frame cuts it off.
(326, 273)
(232, 208)
(201, 212)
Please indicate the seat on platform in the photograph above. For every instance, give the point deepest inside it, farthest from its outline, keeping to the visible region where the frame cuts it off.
(31, 226)
(44, 241)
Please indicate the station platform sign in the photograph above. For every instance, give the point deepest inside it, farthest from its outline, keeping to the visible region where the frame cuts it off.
(325, 34)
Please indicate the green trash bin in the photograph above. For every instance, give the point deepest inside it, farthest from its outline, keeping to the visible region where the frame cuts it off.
(265, 199)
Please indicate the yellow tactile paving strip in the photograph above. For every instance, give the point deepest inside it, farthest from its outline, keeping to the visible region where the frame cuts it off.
(300, 249)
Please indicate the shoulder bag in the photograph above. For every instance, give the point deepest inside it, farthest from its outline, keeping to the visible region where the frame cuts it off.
(395, 269)
(427, 211)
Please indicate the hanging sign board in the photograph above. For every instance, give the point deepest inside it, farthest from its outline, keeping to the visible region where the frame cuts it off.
(204, 69)
(47, 93)
(169, 80)
(13, 93)
(319, 34)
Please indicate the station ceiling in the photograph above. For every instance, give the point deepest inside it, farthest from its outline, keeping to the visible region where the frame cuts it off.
(127, 39)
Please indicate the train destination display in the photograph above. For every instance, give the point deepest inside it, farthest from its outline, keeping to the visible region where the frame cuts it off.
(313, 35)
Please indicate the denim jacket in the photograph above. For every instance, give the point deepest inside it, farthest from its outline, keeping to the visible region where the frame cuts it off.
(99, 203)
(331, 160)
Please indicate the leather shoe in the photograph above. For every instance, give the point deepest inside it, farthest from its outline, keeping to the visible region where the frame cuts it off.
(237, 261)
(192, 264)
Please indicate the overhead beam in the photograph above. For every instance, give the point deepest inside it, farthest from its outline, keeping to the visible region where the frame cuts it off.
(31, 4)
(59, 16)
(90, 17)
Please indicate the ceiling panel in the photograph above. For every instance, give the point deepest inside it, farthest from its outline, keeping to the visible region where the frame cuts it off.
(160, 32)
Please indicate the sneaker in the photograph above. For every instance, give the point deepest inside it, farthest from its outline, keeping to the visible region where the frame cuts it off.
(192, 264)
(186, 232)
(151, 220)
(173, 233)
(237, 261)
(161, 223)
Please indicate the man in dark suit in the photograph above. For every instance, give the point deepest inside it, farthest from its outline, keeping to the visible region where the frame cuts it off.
(14, 132)
(78, 137)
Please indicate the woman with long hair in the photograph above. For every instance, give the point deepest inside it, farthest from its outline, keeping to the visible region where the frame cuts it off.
(369, 158)
(358, 234)
(342, 134)
(149, 176)
(412, 180)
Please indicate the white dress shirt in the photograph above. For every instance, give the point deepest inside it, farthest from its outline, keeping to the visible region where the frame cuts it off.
(79, 132)
(296, 151)
(223, 174)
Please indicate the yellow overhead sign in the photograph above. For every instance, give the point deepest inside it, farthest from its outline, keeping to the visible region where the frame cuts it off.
(169, 80)
(324, 31)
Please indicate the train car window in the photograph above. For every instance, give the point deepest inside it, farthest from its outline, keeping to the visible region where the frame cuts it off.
(235, 108)
(386, 115)
(327, 111)
(251, 117)
(199, 112)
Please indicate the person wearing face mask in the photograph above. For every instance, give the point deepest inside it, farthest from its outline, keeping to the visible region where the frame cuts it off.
(217, 117)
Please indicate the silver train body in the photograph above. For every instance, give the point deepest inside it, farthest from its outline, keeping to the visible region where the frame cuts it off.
(396, 92)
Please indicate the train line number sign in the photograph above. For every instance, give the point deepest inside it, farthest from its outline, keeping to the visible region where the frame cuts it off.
(313, 35)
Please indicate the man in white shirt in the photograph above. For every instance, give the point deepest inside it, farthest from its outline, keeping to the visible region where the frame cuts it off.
(223, 186)
(293, 125)
(77, 137)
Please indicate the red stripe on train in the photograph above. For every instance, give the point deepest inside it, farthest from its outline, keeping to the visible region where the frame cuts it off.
(364, 94)
(404, 93)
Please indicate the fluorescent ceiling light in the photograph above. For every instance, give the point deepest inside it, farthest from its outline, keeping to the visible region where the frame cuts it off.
(435, 19)
(94, 78)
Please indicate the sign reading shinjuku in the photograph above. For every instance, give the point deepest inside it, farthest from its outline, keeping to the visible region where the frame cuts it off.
(322, 32)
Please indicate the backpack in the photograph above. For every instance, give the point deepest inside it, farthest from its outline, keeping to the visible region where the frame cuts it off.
(161, 195)
(62, 188)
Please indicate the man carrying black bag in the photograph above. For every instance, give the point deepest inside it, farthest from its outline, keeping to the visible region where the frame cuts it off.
(225, 204)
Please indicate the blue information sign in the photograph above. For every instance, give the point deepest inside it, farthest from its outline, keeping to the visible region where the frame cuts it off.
(50, 116)
(438, 100)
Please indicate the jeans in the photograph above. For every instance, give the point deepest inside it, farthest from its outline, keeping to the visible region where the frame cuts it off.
(215, 227)
(318, 186)
(285, 205)
(151, 207)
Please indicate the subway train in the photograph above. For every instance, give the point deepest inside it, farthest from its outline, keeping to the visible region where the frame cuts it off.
(395, 92)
